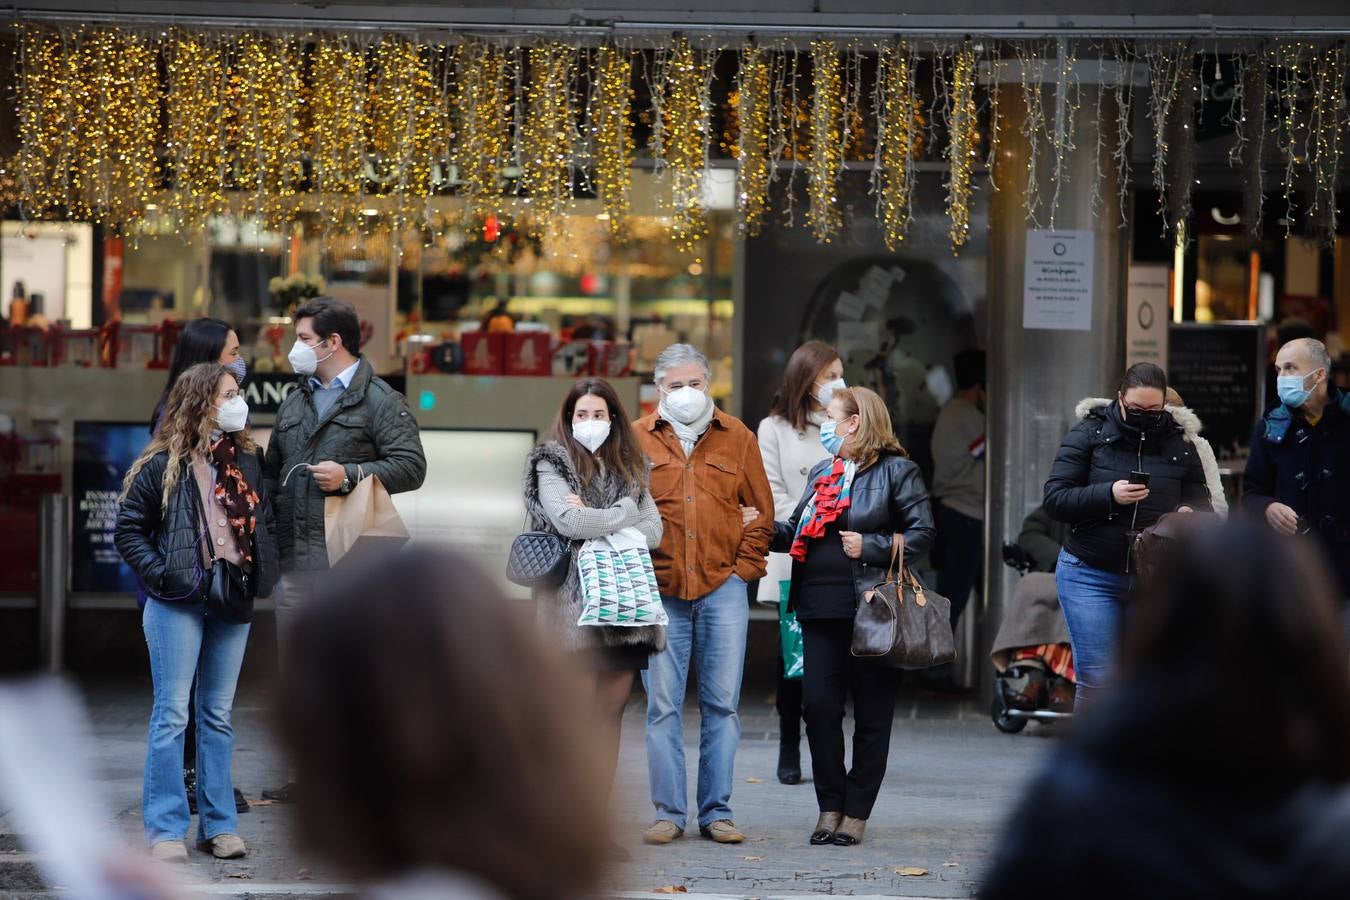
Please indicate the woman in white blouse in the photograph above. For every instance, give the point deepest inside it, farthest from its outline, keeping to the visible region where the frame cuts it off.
(789, 440)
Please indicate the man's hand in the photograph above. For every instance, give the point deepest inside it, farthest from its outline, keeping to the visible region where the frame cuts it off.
(328, 475)
(1282, 518)
(852, 541)
(1126, 493)
(748, 515)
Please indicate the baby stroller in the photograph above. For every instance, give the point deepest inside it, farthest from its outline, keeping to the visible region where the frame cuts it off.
(1031, 652)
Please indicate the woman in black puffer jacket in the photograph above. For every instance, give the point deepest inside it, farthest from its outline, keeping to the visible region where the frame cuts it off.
(195, 495)
(1090, 490)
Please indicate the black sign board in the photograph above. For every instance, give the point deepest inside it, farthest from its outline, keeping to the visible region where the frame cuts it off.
(1219, 371)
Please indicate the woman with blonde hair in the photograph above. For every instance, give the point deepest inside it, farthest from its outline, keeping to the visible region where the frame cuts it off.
(863, 504)
(195, 526)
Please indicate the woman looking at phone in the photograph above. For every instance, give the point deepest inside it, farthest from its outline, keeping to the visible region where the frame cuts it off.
(1121, 467)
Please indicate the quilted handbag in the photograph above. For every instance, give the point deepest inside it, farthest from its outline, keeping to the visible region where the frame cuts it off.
(538, 559)
(901, 622)
(618, 582)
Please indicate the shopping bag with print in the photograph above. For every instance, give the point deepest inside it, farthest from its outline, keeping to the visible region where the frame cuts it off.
(618, 583)
(790, 635)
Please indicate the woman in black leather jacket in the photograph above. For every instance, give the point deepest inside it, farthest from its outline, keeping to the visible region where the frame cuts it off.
(193, 496)
(859, 502)
(1092, 489)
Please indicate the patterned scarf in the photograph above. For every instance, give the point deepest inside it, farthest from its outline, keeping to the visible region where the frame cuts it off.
(832, 496)
(233, 493)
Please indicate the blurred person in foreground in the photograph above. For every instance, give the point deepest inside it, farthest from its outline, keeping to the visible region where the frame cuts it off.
(444, 752)
(1218, 765)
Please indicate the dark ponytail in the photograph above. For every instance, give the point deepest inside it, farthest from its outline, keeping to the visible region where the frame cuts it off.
(1143, 375)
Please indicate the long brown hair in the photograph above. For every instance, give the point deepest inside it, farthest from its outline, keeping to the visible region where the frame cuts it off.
(436, 731)
(186, 425)
(619, 454)
(792, 402)
(875, 435)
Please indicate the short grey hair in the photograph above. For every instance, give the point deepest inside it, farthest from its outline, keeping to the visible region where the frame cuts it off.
(680, 355)
(1317, 353)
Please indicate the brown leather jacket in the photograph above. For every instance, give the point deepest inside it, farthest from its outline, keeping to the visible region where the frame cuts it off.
(700, 498)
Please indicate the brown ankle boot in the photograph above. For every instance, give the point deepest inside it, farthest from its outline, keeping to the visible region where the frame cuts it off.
(850, 832)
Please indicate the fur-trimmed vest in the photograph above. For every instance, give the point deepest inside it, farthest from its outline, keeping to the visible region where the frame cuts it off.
(558, 611)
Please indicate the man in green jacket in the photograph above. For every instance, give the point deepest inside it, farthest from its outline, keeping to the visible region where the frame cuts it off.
(343, 424)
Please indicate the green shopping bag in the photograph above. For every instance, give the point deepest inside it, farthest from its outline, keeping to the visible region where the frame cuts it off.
(790, 635)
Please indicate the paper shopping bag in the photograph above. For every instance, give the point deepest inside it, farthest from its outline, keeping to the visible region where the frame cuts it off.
(362, 521)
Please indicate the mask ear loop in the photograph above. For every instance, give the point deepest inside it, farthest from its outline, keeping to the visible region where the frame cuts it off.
(292, 472)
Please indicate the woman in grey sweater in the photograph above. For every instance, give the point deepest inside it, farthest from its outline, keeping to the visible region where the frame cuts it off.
(589, 480)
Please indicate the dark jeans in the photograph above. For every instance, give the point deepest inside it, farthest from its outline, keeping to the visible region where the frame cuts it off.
(832, 673)
(960, 556)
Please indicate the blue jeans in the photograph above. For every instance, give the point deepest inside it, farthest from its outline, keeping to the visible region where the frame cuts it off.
(183, 642)
(1093, 601)
(711, 630)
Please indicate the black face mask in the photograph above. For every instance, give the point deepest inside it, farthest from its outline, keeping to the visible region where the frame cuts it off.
(1143, 420)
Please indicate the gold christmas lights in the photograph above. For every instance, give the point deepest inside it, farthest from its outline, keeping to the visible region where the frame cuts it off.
(680, 138)
(406, 127)
(963, 144)
(613, 129)
(547, 136)
(195, 136)
(483, 135)
(897, 137)
(266, 102)
(337, 137)
(752, 147)
(827, 142)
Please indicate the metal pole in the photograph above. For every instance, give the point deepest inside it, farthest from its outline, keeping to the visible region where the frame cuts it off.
(53, 565)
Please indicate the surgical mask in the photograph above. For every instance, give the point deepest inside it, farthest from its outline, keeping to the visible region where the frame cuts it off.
(239, 369)
(304, 360)
(830, 438)
(591, 433)
(686, 404)
(1142, 419)
(232, 415)
(825, 392)
(1292, 392)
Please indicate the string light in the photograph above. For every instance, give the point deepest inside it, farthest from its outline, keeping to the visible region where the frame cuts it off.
(613, 127)
(337, 138)
(547, 136)
(827, 142)
(680, 137)
(897, 135)
(485, 105)
(1325, 124)
(963, 144)
(195, 136)
(266, 101)
(752, 148)
(406, 127)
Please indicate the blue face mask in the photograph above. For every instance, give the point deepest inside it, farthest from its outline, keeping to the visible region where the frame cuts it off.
(1291, 390)
(829, 439)
(239, 368)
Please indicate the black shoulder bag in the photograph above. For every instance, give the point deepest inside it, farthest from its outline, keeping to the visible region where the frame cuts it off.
(229, 589)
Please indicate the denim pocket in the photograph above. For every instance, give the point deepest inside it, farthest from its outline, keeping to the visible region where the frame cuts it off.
(1068, 559)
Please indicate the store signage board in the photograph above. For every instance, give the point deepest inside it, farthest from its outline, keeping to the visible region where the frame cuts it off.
(1057, 292)
(104, 451)
(1146, 315)
(1219, 371)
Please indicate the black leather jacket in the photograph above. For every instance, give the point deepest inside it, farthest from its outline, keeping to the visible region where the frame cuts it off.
(1101, 450)
(164, 547)
(888, 498)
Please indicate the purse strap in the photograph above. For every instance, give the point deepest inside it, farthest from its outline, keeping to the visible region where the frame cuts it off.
(896, 569)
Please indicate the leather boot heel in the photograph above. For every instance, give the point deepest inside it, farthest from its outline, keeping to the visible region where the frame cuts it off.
(826, 826)
(789, 758)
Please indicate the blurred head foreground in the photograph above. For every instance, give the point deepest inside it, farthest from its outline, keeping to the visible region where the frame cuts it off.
(432, 731)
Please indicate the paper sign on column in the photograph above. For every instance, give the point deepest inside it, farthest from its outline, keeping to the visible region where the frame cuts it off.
(1146, 315)
(1057, 293)
(849, 307)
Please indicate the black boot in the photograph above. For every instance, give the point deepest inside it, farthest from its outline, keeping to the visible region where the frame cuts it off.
(789, 754)
(190, 785)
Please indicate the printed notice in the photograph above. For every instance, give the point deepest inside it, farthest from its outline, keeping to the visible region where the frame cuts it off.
(1057, 294)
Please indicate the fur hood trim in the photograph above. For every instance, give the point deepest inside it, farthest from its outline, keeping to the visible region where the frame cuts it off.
(1184, 416)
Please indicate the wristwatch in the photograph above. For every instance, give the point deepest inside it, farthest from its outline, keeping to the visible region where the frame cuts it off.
(346, 485)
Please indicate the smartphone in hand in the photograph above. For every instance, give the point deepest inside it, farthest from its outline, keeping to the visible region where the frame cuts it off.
(1139, 478)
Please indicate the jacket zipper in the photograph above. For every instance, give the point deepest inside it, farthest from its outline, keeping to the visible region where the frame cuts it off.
(1134, 516)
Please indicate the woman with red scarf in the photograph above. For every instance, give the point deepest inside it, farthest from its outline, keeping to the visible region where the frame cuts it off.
(194, 497)
(863, 502)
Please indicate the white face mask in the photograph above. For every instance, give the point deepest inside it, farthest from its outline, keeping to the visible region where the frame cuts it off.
(304, 360)
(591, 433)
(686, 404)
(232, 415)
(825, 392)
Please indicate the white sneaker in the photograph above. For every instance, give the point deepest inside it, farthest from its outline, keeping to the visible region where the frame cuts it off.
(223, 846)
(170, 851)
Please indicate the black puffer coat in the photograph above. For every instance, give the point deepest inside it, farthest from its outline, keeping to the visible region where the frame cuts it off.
(888, 498)
(164, 547)
(1101, 450)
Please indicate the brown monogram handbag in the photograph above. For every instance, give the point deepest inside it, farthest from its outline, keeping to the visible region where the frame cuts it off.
(899, 620)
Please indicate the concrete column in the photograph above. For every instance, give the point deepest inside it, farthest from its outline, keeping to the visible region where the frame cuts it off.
(1036, 377)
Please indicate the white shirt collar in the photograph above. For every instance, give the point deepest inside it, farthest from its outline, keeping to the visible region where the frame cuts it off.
(344, 377)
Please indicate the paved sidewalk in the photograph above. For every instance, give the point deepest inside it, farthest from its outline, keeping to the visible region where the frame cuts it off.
(952, 779)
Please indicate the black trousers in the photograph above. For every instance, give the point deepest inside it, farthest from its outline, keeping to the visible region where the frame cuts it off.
(960, 556)
(789, 702)
(832, 673)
